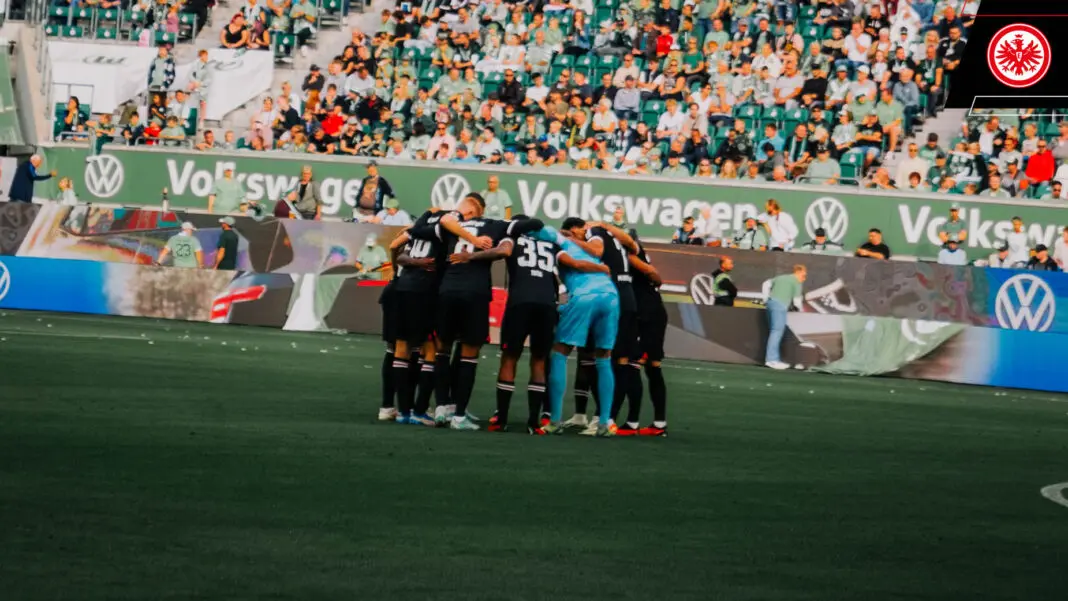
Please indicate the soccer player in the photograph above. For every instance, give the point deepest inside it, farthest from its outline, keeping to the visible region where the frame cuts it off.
(612, 246)
(464, 297)
(592, 310)
(415, 297)
(652, 326)
(386, 410)
(530, 313)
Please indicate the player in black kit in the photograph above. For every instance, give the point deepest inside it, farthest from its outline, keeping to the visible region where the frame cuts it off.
(414, 297)
(613, 246)
(652, 326)
(464, 297)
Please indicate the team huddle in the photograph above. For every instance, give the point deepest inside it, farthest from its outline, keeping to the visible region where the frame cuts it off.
(436, 320)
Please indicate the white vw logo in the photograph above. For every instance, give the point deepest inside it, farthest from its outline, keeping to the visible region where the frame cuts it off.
(1025, 302)
(103, 175)
(5, 281)
(449, 190)
(701, 289)
(830, 214)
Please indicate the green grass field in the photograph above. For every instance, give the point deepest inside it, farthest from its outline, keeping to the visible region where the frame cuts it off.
(147, 460)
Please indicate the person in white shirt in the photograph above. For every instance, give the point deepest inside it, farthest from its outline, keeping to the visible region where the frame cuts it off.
(857, 44)
(782, 230)
(670, 123)
(1019, 247)
(913, 164)
(1060, 250)
(952, 254)
(392, 214)
(1000, 257)
(709, 229)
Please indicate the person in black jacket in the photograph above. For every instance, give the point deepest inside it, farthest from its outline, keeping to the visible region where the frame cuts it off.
(1042, 261)
(24, 178)
(511, 91)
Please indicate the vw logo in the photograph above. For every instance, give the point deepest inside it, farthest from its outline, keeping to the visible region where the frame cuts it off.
(103, 175)
(5, 281)
(448, 191)
(1025, 302)
(701, 289)
(830, 214)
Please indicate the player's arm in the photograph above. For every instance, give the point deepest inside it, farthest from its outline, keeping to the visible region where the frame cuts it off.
(525, 226)
(594, 246)
(398, 242)
(501, 251)
(623, 237)
(570, 262)
(163, 255)
(451, 224)
(647, 270)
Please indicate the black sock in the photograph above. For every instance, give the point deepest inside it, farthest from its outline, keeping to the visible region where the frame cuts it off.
(426, 387)
(413, 370)
(537, 399)
(442, 379)
(504, 399)
(657, 392)
(453, 371)
(387, 380)
(634, 393)
(403, 385)
(583, 384)
(465, 383)
(620, 371)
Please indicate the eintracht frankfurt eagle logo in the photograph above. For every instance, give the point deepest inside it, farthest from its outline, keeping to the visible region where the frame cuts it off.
(1019, 55)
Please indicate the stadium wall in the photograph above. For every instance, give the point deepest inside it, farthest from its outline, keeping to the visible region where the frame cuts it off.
(967, 325)
(654, 205)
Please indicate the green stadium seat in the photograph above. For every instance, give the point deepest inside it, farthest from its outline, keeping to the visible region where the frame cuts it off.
(605, 64)
(52, 30)
(1051, 130)
(774, 114)
(584, 64)
(605, 11)
(852, 163)
(163, 37)
(651, 110)
(83, 14)
(750, 114)
(107, 33)
(191, 129)
(104, 15)
(807, 13)
(58, 12)
(492, 82)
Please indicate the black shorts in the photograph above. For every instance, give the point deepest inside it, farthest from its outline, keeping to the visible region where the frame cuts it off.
(534, 320)
(414, 316)
(627, 336)
(463, 319)
(652, 325)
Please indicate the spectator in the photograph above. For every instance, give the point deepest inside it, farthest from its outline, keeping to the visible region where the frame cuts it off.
(821, 245)
(24, 178)
(724, 292)
(185, 248)
(1018, 243)
(1000, 257)
(1041, 165)
(372, 258)
(952, 254)
(161, 71)
(686, 234)
(73, 124)
(391, 214)
(781, 228)
(752, 237)
(1041, 261)
(305, 197)
(234, 35)
(173, 134)
(785, 291)
(304, 15)
(1060, 249)
(874, 248)
(954, 227)
(824, 169)
(374, 190)
(134, 132)
(1056, 192)
(67, 196)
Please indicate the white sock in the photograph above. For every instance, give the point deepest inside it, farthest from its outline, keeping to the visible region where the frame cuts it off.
(660, 424)
(632, 425)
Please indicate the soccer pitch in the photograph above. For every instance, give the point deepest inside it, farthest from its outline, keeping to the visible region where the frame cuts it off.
(166, 460)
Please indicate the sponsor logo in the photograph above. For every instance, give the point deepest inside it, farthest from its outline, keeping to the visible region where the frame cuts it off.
(104, 60)
(1019, 55)
(449, 190)
(701, 289)
(830, 214)
(5, 281)
(103, 175)
(1025, 302)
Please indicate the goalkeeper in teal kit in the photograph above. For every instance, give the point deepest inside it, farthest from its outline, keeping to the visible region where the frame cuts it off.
(591, 314)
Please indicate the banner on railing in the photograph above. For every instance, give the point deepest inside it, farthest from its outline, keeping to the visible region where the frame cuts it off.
(910, 223)
(103, 76)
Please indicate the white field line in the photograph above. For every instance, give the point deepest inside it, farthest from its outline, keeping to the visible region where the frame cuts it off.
(1055, 493)
(68, 335)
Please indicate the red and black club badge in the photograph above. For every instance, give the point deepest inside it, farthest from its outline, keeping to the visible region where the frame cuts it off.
(1019, 55)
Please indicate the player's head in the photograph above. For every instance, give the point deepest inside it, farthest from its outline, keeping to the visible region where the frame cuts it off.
(473, 205)
(575, 226)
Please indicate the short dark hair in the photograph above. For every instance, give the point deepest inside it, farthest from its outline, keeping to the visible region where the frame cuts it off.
(573, 222)
(875, 230)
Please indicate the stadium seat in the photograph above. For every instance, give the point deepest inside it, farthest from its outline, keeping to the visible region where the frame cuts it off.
(651, 110)
(605, 64)
(107, 33)
(750, 114)
(584, 64)
(561, 62)
(605, 11)
(492, 82)
(163, 37)
(775, 115)
(851, 163)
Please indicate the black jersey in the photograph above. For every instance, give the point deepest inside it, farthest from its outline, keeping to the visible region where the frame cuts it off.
(424, 243)
(645, 291)
(615, 257)
(531, 271)
(473, 278)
